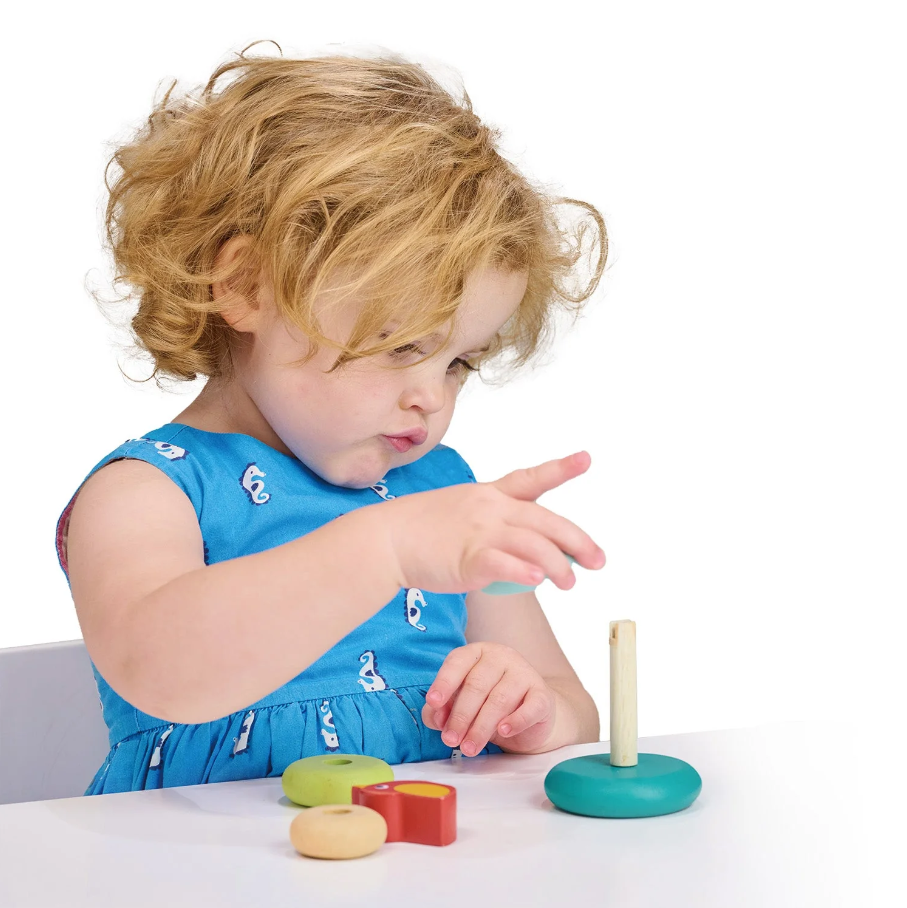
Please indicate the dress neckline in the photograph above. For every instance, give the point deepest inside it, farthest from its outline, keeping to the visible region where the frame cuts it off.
(271, 449)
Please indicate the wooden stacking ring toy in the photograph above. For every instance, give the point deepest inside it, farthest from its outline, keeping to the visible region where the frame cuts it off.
(338, 831)
(623, 783)
(415, 811)
(506, 588)
(329, 778)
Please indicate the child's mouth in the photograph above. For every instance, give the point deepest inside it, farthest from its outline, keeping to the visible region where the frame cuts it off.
(400, 444)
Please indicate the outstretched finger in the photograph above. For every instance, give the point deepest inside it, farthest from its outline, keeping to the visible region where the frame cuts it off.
(531, 483)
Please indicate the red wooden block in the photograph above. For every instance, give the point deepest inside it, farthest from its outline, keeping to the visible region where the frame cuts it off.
(415, 811)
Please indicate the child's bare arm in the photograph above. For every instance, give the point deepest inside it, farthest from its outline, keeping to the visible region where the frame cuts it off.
(190, 643)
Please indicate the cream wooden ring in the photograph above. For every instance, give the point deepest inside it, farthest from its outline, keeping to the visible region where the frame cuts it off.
(338, 831)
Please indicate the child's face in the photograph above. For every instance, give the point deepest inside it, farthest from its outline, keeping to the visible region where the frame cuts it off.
(335, 424)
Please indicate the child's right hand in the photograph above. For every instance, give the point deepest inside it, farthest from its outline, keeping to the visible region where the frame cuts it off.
(465, 537)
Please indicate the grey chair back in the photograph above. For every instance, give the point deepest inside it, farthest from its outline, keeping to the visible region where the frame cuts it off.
(52, 733)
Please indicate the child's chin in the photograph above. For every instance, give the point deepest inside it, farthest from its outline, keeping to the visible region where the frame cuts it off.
(361, 479)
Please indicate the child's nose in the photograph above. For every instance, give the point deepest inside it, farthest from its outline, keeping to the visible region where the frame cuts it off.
(425, 390)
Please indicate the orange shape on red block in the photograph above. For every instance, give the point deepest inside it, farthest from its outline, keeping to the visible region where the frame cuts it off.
(421, 812)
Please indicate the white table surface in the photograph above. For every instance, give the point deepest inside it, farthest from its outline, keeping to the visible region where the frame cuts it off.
(775, 825)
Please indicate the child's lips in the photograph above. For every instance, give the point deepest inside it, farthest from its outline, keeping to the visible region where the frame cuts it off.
(416, 436)
(402, 444)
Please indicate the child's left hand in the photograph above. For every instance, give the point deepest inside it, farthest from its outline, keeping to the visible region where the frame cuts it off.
(489, 692)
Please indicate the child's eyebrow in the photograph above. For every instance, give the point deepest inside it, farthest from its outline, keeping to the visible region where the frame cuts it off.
(484, 349)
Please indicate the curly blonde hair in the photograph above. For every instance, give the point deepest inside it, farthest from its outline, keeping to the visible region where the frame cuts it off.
(333, 166)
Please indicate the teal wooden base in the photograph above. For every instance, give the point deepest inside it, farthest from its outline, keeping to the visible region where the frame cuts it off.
(505, 587)
(592, 787)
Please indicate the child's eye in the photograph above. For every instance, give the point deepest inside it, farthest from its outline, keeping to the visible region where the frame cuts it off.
(458, 363)
(407, 348)
(455, 366)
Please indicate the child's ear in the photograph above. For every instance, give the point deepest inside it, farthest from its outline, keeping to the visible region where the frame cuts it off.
(240, 306)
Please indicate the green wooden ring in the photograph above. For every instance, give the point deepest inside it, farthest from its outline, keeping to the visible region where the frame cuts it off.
(329, 779)
(592, 787)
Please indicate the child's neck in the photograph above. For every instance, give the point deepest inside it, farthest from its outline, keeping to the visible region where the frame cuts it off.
(200, 414)
(216, 409)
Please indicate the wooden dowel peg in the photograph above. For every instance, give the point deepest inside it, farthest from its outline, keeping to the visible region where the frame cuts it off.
(622, 640)
(632, 784)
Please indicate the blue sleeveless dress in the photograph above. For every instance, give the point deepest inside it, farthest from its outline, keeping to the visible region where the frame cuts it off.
(364, 696)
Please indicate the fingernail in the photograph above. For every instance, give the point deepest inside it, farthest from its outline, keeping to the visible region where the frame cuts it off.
(505, 729)
(434, 695)
(470, 748)
(451, 738)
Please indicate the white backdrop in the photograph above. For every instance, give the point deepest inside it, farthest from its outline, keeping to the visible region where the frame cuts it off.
(738, 378)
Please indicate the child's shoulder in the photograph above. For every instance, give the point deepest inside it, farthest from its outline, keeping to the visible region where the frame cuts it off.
(156, 446)
(169, 448)
(146, 475)
(188, 455)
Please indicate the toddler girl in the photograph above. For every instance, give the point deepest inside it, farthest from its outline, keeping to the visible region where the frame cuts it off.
(294, 565)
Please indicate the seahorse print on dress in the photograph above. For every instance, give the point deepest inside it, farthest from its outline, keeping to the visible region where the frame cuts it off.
(381, 488)
(156, 756)
(368, 674)
(242, 742)
(164, 448)
(411, 610)
(328, 732)
(253, 487)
